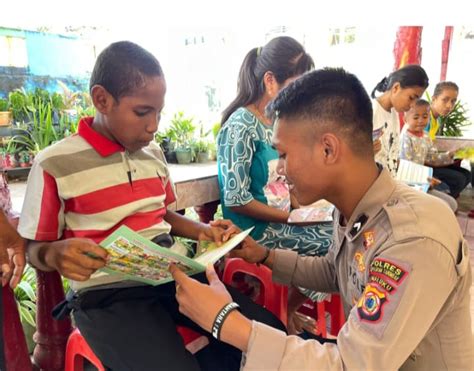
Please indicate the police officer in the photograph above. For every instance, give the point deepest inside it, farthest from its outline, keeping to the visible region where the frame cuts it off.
(399, 260)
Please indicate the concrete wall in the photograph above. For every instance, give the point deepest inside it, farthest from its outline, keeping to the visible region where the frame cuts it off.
(50, 57)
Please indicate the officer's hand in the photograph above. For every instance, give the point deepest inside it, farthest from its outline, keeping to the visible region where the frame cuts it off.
(198, 301)
(76, 258)
(249, 250)
(12, 255)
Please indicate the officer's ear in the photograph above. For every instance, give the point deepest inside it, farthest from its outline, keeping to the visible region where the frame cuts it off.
(331, 147)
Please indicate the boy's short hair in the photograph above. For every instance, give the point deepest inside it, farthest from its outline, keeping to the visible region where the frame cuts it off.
(421, 103)
(122, 67)
(329, 98)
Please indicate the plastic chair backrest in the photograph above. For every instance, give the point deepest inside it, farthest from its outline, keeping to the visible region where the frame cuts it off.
(275, 296)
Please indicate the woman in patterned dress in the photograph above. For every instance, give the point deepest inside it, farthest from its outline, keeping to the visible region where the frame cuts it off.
(252, 192)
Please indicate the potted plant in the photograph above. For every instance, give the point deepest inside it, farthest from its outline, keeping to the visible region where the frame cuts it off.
(3, 155)
(41, 131)
(19, 102)
(183, 129)
(167, 141)
(11, 153)
(5, 114)
(201, 149)
(25, 159)
(453, 124)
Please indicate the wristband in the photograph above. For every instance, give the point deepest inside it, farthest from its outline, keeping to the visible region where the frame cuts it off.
(221, 316)
(267, 254)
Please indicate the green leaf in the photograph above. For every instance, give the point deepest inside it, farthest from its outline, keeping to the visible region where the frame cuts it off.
(26, 316)
(26, 287)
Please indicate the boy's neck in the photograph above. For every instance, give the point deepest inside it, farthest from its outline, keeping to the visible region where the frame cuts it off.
(415, 132)
(352, 187)
(384, 101)
(98, 126)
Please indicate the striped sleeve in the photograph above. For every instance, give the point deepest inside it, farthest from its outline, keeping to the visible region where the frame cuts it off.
(42, 216)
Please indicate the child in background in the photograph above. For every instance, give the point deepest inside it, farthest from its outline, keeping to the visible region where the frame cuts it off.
(417, 146)
(400, 91)
(443, 101)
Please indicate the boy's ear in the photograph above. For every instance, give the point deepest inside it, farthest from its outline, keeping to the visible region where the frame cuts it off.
(101, 98)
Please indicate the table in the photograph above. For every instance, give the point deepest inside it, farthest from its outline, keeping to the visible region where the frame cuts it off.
(196, 186)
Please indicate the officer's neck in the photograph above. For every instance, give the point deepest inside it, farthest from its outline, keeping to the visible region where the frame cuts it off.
(353, 185)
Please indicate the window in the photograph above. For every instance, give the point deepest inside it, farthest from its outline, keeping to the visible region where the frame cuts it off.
(13, 52)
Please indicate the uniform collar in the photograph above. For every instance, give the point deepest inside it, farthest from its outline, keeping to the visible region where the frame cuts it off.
(101, 144)
(371, 203)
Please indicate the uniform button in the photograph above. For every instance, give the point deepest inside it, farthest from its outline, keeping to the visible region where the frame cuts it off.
(392, 202)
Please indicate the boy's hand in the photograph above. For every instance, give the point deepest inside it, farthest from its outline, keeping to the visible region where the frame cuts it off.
(12, 255)
(218, 231)
(250, 251)
(198, 301)
(72, 258)
(434, 182)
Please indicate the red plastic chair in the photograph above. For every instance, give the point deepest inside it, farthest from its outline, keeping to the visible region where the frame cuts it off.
(275, 296)
(77, 348)
(318, 310)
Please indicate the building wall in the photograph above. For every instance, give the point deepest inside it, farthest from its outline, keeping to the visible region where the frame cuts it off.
(34, 59)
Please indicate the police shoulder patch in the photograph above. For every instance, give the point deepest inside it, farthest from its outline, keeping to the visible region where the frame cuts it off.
(370, 304)
(386, 282)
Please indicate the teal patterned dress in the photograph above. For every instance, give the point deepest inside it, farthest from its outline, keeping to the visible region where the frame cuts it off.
(247, 165)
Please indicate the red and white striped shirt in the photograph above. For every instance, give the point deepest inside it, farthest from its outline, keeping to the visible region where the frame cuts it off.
(87, 186)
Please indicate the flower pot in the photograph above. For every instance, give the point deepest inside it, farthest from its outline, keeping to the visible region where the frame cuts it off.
(171, 157)
(202, 157)
(11, 161)
(184, 156)
(5, 118)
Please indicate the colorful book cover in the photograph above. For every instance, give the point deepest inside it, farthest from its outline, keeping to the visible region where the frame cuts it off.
(139, 259)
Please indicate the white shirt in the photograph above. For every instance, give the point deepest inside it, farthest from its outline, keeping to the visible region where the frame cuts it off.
(390, 140)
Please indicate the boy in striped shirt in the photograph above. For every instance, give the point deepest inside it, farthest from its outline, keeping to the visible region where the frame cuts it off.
(109, 174)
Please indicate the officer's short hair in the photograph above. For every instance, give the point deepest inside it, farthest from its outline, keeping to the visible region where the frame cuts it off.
(329, 98)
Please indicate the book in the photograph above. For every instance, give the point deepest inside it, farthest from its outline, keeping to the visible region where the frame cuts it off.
(465, 153)
(377, 133)
(319, 212)
(415, 175)
(139, 259)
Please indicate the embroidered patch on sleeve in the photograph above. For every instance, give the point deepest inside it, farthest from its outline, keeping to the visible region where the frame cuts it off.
(369, 239)
(359, 258)
(385, 287)
(370, 305)
(387, 269)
